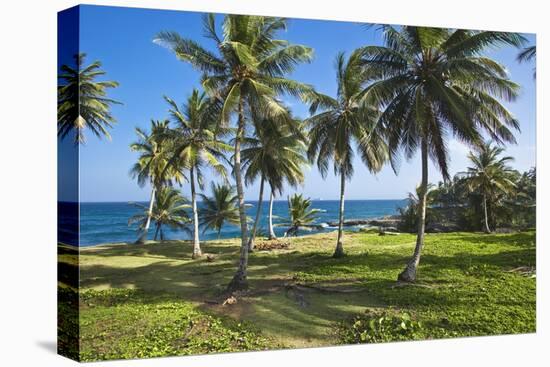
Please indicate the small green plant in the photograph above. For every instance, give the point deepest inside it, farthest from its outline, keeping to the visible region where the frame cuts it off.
(377, 327)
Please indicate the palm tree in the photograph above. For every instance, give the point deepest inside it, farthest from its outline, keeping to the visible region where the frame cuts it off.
(524, 198)
(219, 208)
(489, 175)
(275, 154)
(247, 72)
(432, 82)
(196, 146)
(169, 210)
(527, 55)
(409, 213)
(300, 214)
(82, 102)
(344, 122)
(413, 198)
(152, 164)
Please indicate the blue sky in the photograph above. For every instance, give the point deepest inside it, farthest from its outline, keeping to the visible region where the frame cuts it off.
(121, 38)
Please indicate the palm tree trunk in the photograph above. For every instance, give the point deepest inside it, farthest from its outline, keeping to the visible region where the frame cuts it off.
(156, 231)
(486, 216)
(239, 280)
(409, 274)
(196, 243)
(258, 214)
(143, 237)
(339, 252)
(290, 232)
(292, 225)
(272, 235)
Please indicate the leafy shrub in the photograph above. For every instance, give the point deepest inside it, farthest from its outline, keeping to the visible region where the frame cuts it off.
(378, 327)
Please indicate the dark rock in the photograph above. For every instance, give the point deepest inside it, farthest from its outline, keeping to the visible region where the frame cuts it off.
(442, 227)
(350, 222)
(388, 221)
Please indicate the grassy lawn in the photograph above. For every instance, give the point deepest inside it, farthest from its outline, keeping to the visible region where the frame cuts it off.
(154, 300)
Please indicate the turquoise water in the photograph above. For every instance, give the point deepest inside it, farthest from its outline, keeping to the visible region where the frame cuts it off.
(108, 222)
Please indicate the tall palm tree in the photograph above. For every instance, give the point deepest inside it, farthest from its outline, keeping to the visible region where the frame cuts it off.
(247, 72)
(344, 122)
(219, 208)
(152, 164)
(300, 214)
(82, 101)
(433, 82)
(489, 175)
(528, 54)
(169, 210)
(271, 231)
(274, 154)
(196, 146)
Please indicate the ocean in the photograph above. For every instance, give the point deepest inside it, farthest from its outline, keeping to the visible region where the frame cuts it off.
(108, 222)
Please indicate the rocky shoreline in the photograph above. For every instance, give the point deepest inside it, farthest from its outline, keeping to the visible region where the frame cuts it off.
(391, 223)
(387, 221)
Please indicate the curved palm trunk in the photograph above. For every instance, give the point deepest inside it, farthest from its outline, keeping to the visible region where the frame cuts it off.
(143, 237)
(239, 280)
(292, 231)
(258, 214)
(409, 274)
(486, 216)
(196, 243)
(272, 235)
(339, 252)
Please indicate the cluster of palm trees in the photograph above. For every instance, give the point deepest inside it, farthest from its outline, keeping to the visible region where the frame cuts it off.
(171, 154)
(410, 95)
(489, 175)
(489, 194)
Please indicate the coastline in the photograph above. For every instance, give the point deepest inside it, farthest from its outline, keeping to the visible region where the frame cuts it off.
(108, 223)
(383, 222)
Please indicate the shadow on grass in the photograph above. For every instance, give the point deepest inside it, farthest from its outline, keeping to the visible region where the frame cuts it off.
(463, 271)
(67, 265)
(201, 280)
(167, 249)
(168, 274)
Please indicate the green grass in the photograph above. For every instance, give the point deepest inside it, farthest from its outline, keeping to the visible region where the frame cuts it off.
(139, 300)
(124, 323)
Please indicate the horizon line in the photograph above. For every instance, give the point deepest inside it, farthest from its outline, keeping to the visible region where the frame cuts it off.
(264, 201)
